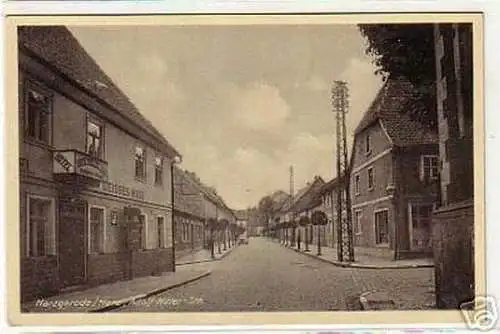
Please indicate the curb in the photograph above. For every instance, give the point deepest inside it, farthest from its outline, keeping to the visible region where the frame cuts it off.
(209, 260)
(363, 266)
(129, 300)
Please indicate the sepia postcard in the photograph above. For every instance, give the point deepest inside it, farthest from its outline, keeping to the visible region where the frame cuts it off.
(246, 170)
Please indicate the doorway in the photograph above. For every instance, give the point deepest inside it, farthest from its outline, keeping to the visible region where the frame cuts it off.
(72, 258)
(420, 226)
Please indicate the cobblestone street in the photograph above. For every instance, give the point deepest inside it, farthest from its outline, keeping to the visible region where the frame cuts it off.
(264, 276)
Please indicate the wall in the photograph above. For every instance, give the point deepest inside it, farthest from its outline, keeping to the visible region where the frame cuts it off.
(453, 243)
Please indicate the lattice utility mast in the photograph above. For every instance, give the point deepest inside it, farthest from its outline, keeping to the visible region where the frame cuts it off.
(291, 190)
(345, 246)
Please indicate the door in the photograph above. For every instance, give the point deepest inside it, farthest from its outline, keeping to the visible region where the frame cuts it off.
(72, 241)
(420, 226)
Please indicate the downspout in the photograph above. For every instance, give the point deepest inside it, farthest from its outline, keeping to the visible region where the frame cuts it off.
(395, 198)
(172, 201)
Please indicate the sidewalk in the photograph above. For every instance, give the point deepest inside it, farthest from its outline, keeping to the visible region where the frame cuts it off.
(110, 296)
(329, 254)
(203, 255)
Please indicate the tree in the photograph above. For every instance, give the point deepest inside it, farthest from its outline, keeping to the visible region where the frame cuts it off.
(406, 50)
(265, 209)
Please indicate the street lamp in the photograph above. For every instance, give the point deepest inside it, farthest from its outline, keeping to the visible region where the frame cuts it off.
(319, 219)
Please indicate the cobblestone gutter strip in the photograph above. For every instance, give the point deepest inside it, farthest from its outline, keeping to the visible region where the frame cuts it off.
(363, 265)
(132, 299)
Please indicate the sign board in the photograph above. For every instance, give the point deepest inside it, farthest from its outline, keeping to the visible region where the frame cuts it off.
(75, 162)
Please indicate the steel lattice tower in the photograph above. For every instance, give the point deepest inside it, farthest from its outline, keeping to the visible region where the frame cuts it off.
(345, 245)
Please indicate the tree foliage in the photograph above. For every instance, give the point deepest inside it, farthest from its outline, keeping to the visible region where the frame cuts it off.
(265, 209)
(406, 50)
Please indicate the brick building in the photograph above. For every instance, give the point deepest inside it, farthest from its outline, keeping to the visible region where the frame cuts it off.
(453, 221)
(394, 176)
(95, 175)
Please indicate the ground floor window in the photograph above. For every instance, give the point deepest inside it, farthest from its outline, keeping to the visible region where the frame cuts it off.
(41, 226)
(96, 230)
(142, 231)
(382, 227)
(357, 221)
(161, 232)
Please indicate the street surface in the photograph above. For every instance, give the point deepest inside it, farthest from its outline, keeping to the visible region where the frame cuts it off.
(265, 276)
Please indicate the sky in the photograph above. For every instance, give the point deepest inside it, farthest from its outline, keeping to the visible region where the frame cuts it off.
(241, 103)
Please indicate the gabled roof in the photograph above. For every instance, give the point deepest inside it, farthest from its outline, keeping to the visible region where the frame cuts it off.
(306, 198)
(56, 46)
(390, 106)
(187, 195)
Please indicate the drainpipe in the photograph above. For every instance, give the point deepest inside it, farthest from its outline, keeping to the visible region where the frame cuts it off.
(176, 160)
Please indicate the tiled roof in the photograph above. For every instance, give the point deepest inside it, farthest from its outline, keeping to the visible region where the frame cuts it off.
(306, 198)
(391, 107)
(58, 47)
(186, 194)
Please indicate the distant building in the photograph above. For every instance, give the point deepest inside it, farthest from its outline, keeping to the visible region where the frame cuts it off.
(453, 221)
(329, 204)
(189, 206)
(95, 175)
(394, 176)
(305, 201)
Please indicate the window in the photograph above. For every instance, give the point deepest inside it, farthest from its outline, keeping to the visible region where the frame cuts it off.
(382, 227)
(143, 228)
(429, 169)
(421, 216)
(96, 221)
(357, 222)
(41, 227)
(158, 171)
(94, 139)
(37, 122)
(161, 232)
(140, 163)
(356, 184)
(371, 178)
(368, 143)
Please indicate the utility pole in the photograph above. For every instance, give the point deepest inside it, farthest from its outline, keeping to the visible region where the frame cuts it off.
(345, 244)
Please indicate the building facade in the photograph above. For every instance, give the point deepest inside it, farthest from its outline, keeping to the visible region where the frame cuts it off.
(394, 177)
(453, 221)
(95, 176)
(189, 214)
(197, 205)
(329, 205)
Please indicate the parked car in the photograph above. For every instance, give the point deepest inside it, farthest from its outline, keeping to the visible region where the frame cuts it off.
(243, 240)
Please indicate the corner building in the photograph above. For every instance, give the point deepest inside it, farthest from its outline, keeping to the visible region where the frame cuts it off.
(95, 175)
